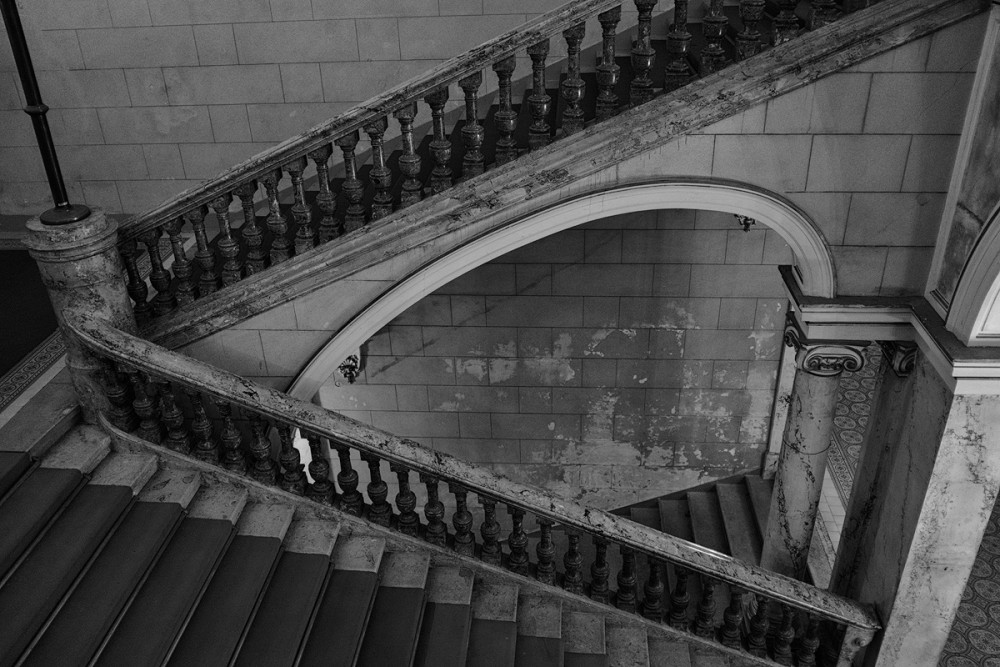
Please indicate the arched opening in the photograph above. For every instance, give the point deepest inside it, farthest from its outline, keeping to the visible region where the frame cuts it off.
(974, 315)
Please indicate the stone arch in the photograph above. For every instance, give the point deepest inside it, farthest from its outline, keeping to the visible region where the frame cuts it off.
(974, 315)
(814, 263)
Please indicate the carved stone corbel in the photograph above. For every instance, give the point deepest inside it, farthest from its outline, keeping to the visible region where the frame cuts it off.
(901, 355)
(823, 358)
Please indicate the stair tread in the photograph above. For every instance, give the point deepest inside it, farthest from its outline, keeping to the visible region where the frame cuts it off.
(44, 577)
(646, 516)
(394, 624)
(534, 651)
(706, 521)
(492, 643)
(539, 617)
(444, 632)
(741, 529)
(161, 607)
(46, 418)
(668, 653)
(171, 486)
(675, 519)
(132, 471)
(495, 601)
(83, 621)
(583, 633)
(760, 498)
(27, 510)
(82, 448)
(12, 466)
(627, 646)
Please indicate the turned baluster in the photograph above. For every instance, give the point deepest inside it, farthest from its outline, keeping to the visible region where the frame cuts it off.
(679, 72)
(625, 597)
(172, 417)
(232, 270)
(325, 201)
(352, 189)
(409, 161)
(253, 237)
(321, 490)
(757, 631)
(573, 87)
(600, 572)
(381, 174)
(608, 71)
(713, 26)
(505, 118)
(643, 55)
(545, 572)
(120, 412)
(822, 12)
(465, 541)
(517, 542)
(408, 522)
(350, 498)
(680, 599)
(232, 440)
(731, 619)
(304, 238)
(652, 601)
(781, 648)
(136, 287)
(380, 511)
(748, 40)
(163, 301)
(786, 23)
(208, 281)
(437, 530)
(293, 476)
(538, 101)
(573, 564)
(144, 406)
(440, 145)
(262, 466)
(276, 224)
(492, 553)
(205, 448)
(808, 643)
(183, 268)
(473, 133)
(704, 622)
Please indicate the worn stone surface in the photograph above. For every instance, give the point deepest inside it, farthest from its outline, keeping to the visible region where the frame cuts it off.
(310, 536)
(218, 501)
(494, 602)
(83, 448)
(450, 585)
(539, 617)
(171, 486)
(260, 520)
(583, 633)
(358, 553)
(627, 646)
(42, 421)
(405, 570)
(125, 470)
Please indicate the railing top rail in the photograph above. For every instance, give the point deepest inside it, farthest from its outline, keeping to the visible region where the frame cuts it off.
(355, 118)
(218, 383)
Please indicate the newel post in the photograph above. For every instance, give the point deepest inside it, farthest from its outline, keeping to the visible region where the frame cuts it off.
(804, 447)
(82, 270)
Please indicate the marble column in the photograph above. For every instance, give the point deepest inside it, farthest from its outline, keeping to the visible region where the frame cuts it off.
(81, 268)
(802, 462)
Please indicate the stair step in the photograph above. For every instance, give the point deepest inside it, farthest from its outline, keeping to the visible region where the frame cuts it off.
(394, 626)
(82, 448)
(153, 622)
(29, 508)
(42, 422)
(675, 518)
(79, 627)
(627, 646)
(216, 629)
(13, 465)
(343, 612)
(539, 632)
(760, 499)
(444, 633)
(493, 635)
(668, 653)
(646, 516)
(707, 659)
(706, 521)
(278, 630)
(738, 516)
(583, 640)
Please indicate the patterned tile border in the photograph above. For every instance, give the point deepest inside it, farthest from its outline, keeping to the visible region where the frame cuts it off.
(32, 367)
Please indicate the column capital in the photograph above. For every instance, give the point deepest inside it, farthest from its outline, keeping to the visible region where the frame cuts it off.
(822, 358)
(901, 356)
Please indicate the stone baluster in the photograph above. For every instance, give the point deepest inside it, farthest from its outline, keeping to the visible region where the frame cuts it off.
(205, 448)
(408, 522)
(713, 26)
(144, 405)
(172, 417)
(625, 597)
(505, 118)
(184, 289)
(600, 572)
(440, 145)
(381, 174)
(352, 189)
(731, 619)
(232, 270)
(350, 498)
(679, 72)
(473, 132)
(437, 530)
(409, 162)
(379, 511)
(517, 562)
(465, 541)
(120, 412)
(208, 280)
(326, 202)
(781, 647)
(573, 87)
(321, 490)
(250, 232)
(748, 40)
(652, 600)
(163, 301)
(643, 55)
(822, 12)
(809, 643)
(680, 599)
(539, 102)
(757, 630)
(786, 23)
(276, 223)
(304, 237)
(293, 476)
(232, 441)
(262, 466)
(136, 286)
(704, 621)
(492, 553)
(573, 564)
(608, 71)
(545, 572)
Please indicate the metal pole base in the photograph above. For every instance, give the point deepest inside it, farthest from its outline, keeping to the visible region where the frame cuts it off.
(65, 214)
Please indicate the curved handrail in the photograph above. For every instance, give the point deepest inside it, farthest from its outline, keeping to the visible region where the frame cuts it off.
(162, 363)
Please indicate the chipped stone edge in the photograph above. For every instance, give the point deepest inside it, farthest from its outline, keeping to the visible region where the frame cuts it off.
(218, 502)
(124, 470)
(312, 536)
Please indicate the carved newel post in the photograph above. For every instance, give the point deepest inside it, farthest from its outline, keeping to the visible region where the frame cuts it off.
(82, 269)
(804, 447)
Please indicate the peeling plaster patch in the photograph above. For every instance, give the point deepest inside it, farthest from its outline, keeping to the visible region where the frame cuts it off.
(563, 346)
(601, 335)
(552, 426)
(502, 370)
(474, 367)
(506, 349)
(550, 370)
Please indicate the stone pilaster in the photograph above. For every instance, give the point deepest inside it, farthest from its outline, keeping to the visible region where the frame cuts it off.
(806, 442)
(81, 267)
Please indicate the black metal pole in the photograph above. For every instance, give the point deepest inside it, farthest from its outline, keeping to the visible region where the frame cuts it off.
(63, 212)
